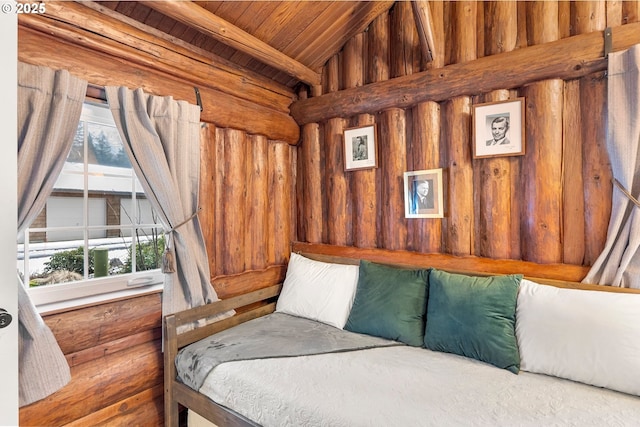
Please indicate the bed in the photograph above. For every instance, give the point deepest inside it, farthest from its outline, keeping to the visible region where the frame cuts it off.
(278, 363)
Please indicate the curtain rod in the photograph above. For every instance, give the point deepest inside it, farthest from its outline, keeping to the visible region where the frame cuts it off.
(96, 93)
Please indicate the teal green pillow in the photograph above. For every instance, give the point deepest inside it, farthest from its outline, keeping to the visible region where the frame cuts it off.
(390, 303)
(474, 317)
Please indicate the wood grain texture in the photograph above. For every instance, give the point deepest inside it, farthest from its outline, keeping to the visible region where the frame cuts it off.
(256, 202)
(364, 192)
(339, 208)
(392, 130)
(597, 174)
(118, 35)
(76, 330)
(281, 193)
(101, 68)
(425, 234)
(201, 19)
(542, 172)
(573, 197)
(233, 201)
(108, 380)
(569, 58)
(446, 261)
(493, 176)
(207, 190)
(310, 177)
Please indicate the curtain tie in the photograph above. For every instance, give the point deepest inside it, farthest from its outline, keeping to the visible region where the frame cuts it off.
(168, 263)
(626, 192)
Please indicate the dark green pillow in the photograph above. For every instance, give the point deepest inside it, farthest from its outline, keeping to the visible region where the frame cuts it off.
(390, 303)
(474, 317)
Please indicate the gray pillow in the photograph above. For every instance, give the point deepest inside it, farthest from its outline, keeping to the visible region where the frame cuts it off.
(390, 303)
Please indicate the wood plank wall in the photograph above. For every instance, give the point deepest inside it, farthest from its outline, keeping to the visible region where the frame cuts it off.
(259, 192)
(114, 351)
(549, 206)
(247, 195)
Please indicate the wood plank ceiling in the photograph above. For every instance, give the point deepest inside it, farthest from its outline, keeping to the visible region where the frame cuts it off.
(286, 41)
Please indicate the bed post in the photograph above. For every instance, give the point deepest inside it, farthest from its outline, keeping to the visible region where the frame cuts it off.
(170, 342)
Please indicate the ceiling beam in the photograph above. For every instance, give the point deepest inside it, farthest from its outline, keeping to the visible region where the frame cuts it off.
(568, 58)
(422, 16)
(208, 23)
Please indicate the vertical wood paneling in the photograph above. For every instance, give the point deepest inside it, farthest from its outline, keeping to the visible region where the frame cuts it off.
(551, 205)
(457, 226)
(219, 208)
(437, 18)
(542, 172)
(378, 50)
(405, 43)
(339, 219)
(493, 176)
(353, 62)
(630, 11)
(365, 199)
(362, 183)
(207, 217)
(597, 168)
(256, 202)
(494, 199)
(458, 223)
(573, 225)
(393, 132)
(233, 201)
(614, 13)
(586, 17)
(338, 205)
(280, 193)
(541, 229)
(425, 234)
(463, 31)
(311, 176)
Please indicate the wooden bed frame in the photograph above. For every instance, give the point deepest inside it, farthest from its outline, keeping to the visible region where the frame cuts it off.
(263, 301)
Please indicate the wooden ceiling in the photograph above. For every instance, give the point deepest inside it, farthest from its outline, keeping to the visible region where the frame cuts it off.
(286, 41)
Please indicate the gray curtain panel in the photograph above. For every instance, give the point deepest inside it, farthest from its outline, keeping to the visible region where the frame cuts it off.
(619, 263)
(49, 107)
(162, 139)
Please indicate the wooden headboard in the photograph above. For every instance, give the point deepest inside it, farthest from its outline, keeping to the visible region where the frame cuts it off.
(560, 275)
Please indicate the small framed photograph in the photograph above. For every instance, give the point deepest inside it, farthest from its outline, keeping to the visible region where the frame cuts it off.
(360, 149)
(423, 194)
(498, 129)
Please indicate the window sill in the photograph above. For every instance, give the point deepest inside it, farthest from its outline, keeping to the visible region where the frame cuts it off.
(92, 300)
(59, 297)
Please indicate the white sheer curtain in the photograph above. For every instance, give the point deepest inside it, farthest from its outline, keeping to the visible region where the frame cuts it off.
(162, 139)
(619, 262)
(49, 107)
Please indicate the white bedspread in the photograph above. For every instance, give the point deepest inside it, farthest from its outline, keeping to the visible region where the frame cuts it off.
(408, 386)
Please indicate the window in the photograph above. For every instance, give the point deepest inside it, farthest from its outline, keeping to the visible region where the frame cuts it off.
(97, 233)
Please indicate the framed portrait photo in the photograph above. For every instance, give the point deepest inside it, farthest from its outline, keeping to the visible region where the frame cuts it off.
(423, 194)
(498, 129)
(360, 149)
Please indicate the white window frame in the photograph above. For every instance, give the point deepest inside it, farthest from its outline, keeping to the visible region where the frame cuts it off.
(64, 296)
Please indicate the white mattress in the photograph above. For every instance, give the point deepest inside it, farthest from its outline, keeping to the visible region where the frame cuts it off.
(408, 386)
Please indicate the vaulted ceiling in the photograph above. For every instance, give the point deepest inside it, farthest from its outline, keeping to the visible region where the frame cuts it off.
(287, 41)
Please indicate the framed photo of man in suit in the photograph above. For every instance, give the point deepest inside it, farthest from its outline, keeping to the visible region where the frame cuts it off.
(423, 194)
(498, 129)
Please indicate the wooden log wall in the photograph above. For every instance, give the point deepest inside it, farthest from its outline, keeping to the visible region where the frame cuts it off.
(247, 196)
(550, 205)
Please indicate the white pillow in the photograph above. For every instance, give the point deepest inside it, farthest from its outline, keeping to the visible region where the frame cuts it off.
(318, 290)
(588, 336)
